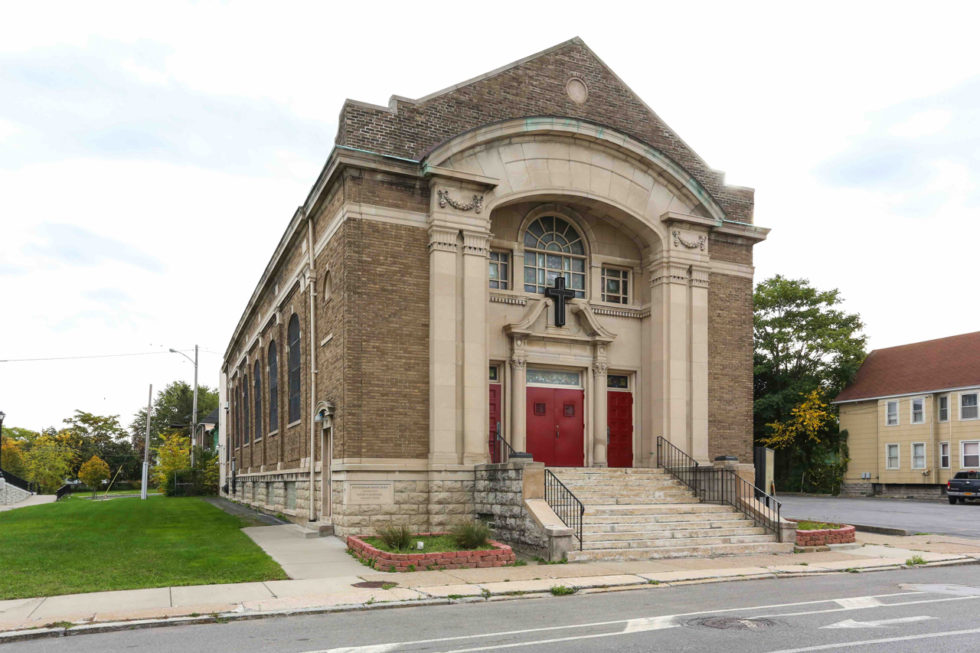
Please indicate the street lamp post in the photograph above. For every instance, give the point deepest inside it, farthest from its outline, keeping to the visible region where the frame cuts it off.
(194, 409)
(2, 415)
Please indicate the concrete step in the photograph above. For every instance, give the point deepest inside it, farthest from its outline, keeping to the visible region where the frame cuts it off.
(670, 534)
(701, 551)
(642, 526)
(665, 508)
(673, 542)
(638, 498)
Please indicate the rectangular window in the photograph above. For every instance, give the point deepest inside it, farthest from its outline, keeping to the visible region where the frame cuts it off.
(968, 405)
(499, 270)
(918, 410)
(552, 377)
(615, 285)
(541, 270)
(494, 374)
(618, 381)
(891, 413)
(891, 456)
(290, 495)
(944, 455)
(971, 454)
(944, 408)
(918, 455)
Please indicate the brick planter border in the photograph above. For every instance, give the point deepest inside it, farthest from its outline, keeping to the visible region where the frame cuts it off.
(825, 536)
(498, 556)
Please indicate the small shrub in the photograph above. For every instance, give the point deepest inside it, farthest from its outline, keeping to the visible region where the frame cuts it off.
(561, 590)
(388, 586)
(396, 536)
(470, 534)
(517, 563)
(915, 560)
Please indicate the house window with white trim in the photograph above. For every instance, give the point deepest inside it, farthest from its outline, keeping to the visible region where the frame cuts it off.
(968, 405)
(499, 270)
(970, 454)
(944, 455)
(918, 410)
(891, 413)
(891, 456)
(944, 408)
(918, 455)
(615, 285)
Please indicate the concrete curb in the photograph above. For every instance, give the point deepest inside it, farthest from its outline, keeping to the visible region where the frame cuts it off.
(46, 631)
(883, 530)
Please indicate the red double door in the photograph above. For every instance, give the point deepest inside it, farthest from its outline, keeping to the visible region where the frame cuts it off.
(555, 426)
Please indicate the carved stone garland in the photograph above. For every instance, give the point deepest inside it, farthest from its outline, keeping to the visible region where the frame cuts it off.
(698, 244)
(476, 205)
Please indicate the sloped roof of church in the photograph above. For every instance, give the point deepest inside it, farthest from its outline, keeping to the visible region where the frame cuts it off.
(930, 366)
(533, 86)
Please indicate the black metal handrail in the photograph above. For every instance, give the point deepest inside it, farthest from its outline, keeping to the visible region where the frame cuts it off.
(719, 485)
(500, 449)
(565, 504)
(16, 481)
(62, 491)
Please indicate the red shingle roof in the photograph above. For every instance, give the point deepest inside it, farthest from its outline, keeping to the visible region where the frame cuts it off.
(940, 364)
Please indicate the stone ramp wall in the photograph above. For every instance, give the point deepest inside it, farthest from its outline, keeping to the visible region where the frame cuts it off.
(11, 494)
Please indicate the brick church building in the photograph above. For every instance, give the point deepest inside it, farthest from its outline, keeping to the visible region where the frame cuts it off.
(413, 311)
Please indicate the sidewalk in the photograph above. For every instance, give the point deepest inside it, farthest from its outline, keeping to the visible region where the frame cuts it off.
(336, 589)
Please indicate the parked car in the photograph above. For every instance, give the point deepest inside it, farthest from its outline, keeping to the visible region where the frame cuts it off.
(965, 485)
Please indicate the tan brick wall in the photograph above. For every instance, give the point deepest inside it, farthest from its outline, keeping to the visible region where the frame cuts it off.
(386, 370)
(730, 351)
(534, 88)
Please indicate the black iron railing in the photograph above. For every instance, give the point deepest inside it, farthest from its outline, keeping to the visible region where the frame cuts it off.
(565, 504)
(718, 485)
(16, 481)
(62, 492)
(500, 449)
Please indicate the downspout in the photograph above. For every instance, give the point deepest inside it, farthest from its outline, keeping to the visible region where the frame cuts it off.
(313, 370)
(934, 434)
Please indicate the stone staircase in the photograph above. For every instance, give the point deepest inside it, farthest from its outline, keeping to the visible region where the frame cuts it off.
(645, 514)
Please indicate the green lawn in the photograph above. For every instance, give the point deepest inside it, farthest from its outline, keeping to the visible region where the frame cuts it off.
(89, 546)
(88, 495)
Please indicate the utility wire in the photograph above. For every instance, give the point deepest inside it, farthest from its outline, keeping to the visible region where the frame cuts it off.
(63, 358)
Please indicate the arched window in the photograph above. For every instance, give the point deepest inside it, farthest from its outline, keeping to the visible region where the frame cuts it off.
(257, 373)
(552, 248)
(273, 388)
(245, 408)
(294, 374)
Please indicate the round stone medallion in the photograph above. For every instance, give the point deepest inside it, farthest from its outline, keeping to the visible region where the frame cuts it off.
(577, 90)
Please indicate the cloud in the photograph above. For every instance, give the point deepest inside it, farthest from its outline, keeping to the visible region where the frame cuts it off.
(113, 100)
(922, 153)
(73, 245)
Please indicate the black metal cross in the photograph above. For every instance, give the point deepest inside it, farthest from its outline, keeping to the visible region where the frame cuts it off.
(560, 295)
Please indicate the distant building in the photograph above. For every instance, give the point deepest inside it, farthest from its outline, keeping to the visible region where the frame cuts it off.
(912, 417)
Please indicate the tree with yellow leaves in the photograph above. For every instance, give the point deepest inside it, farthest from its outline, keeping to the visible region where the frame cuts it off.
(93, 472)
(173, 455)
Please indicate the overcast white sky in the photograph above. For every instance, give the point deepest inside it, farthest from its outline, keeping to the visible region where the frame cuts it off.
(151, 154)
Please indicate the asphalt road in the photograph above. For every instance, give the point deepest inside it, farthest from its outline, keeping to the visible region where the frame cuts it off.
(916, 516)
(907, 610)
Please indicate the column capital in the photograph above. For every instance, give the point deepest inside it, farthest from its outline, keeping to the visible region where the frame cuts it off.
(442, 239)
(664, 271)
(600, 368)
(518, 363)
(476, 243)
(700, 275)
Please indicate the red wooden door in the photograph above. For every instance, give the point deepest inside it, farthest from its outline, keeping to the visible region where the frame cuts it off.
(540, 425)
(570, 434)
(555, 426)
(619, 409)
(495, 447)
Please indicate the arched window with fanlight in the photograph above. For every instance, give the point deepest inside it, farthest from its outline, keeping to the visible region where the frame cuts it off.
(292, 333)
(273, 388)
(257, 380)
(245, 416)
(553, 247)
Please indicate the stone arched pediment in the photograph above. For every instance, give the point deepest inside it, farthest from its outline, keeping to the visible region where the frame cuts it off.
(533, 325)
(559, 157)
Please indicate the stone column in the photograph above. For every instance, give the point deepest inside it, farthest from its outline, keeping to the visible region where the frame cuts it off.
(600, 427)
(518, 399)
(699, 362)
(670, 351)
(475, 357)
(442, 345)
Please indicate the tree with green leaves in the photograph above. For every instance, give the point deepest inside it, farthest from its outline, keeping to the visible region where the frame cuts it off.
(804, 343)
(93, 472)
(100, 435)
(48, 463)
(172, 412)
